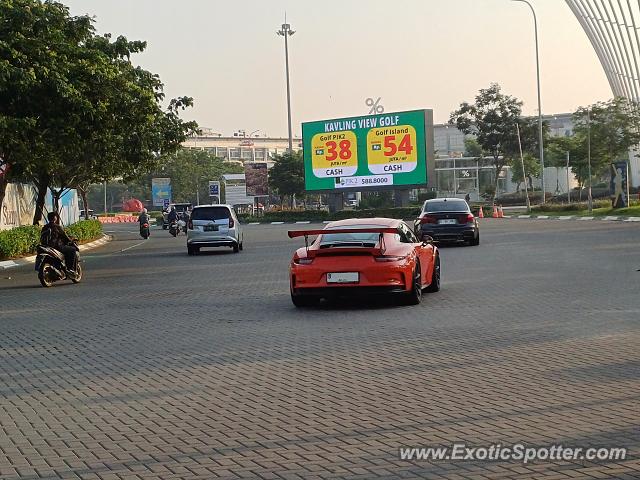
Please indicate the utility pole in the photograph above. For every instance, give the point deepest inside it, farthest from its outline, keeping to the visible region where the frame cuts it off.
(590, 198)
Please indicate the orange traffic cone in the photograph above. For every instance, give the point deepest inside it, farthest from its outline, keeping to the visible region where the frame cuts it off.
(500, 212)
(495, 211)
(481, 212)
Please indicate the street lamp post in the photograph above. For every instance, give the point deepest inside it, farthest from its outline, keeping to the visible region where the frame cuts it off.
(541, 138)
(286, 32)
(589, 192)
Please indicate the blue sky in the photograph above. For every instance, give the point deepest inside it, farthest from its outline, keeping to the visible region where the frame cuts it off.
(412, 53)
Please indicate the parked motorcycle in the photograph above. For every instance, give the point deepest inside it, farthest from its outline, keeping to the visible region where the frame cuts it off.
(51, 267)
(144, 230)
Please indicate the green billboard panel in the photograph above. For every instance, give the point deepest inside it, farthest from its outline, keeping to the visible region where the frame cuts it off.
(390, 150)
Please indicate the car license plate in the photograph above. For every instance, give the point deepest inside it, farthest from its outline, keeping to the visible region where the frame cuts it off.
(447, 221)
(210, 228)
(343, 277)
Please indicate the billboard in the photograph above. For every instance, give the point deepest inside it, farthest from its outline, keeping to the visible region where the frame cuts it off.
(390, 150)
(235, 189)
(618, 184)
(257, 179)
(160, 191)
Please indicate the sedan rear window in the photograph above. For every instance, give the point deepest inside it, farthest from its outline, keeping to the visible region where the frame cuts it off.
(210, 213)
(446, 206)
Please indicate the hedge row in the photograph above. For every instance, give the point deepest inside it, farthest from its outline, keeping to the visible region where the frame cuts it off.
(406, 213)
(572, 207)
(23, 240)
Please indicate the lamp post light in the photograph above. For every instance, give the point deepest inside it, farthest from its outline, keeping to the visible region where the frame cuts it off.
(541, 137)
(286, 32)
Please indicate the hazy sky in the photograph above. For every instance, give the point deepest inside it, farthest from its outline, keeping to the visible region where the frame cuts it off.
(412, 53)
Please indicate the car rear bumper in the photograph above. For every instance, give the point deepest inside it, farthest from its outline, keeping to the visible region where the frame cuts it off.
(348, 291)
(208, 241)
(449, 233)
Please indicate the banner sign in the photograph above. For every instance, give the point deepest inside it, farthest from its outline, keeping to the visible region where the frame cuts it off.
(160, 191)
(257, 179)
(369, 152)
(618, 184)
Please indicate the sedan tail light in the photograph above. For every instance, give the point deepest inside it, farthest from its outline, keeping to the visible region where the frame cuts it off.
(428, 219)
(389, 258)
(303, 261)
(468, 218)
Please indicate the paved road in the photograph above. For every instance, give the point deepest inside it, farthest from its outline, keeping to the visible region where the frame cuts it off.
(161, 365)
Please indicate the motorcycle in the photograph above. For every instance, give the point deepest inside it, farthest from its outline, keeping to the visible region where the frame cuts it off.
(182, 225)
(173, 228)
(51, 266)
(144, 230)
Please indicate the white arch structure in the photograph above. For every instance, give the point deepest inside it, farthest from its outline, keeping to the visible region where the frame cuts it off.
(612, 28)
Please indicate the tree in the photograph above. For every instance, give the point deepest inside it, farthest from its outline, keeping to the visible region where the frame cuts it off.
(492, 119)
(614, 127)
(532, 168)
(472, 148)
(287, 175)
(576, 145)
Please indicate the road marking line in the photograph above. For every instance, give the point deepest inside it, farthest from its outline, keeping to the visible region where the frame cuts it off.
(633, 219)
(254, 223)
(611, 218)
(132, 246)
(565, 217)
(524, 216)
(543, 217)
(277, 223)
(585, 218)
(307, 221)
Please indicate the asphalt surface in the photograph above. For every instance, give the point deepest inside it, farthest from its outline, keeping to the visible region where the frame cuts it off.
(161, 365)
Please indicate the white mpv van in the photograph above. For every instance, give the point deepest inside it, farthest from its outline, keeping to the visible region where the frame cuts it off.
(213, 226)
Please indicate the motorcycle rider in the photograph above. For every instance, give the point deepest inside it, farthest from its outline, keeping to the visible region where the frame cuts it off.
(54, 236)
(173, 215)
(144, 218)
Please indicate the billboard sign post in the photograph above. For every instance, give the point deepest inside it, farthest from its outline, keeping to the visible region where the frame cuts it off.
(214, 191)
(160, 191)
(391, 150)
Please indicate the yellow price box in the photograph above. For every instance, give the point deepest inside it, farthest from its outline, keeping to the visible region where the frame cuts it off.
(392, 149)
(334, 154)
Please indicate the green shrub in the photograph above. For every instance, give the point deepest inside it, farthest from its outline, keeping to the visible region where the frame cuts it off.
(85, 230)
(19, 241)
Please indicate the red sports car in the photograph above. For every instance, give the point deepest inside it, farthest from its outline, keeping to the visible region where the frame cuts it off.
(362, 256)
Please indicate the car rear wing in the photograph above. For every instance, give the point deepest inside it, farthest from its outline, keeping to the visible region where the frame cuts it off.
(307, 233)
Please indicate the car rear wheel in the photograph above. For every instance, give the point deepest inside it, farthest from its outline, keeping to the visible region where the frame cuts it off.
(236, 248)
(434, 286)
(414, 297)
(190, 250)
(476, 240)
(301, 301)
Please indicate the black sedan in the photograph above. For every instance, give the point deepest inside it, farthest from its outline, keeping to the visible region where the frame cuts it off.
(448, 220)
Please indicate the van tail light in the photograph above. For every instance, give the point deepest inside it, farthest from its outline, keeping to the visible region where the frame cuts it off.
(303, 261)
(190, 225)
(467, 218)
(231, 222)
(428, 219)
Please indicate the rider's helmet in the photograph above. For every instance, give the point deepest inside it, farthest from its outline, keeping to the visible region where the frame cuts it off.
(144, 210)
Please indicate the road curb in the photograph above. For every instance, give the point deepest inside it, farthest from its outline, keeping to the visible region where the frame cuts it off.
(32, 258)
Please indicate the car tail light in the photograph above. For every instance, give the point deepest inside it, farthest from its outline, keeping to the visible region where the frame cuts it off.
(428, 219)
(231, 223)
(303, 261)
(389, 258)
(468, 218)
(190, 225)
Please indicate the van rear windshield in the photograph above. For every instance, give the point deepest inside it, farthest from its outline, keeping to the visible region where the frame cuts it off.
(210, 213)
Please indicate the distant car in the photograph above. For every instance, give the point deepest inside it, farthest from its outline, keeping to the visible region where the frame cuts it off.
(448, 220)
(92, 215)
(362, 256)
(181, 208)
(213, 226)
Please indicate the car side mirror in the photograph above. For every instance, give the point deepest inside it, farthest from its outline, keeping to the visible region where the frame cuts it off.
(427, 240)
